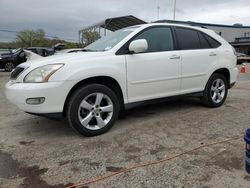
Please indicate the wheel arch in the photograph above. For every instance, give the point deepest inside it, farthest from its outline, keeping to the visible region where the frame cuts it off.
(103, 80)
(225, 72)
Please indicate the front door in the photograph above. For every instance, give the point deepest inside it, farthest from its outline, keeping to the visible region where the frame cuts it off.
(156, 72)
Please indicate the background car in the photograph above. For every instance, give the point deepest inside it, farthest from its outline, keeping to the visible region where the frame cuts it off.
(8, 61)
(42, 51)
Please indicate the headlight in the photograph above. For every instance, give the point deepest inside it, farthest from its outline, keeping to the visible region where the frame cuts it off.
(0, 57)
(42, 74)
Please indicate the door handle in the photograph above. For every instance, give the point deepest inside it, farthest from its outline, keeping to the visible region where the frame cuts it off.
(175, 57)
(212, 54)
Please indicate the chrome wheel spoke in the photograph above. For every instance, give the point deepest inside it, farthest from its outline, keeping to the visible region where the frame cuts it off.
(221, 87)
(219, 97)
(100, 121)
(99, 97)
(108, 108)
(217, 84)
(86, 105)
(214, 96)
(213, 88)
(86, 120)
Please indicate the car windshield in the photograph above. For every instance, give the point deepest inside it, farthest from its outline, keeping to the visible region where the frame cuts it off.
(16, 50)
(108, 42)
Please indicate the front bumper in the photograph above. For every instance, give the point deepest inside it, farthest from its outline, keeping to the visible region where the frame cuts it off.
(55, 94)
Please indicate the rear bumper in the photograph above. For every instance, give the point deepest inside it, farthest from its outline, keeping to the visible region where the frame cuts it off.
(233, 76)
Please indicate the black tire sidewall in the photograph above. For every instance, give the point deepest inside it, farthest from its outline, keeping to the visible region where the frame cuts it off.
(76, 99)
(207, 94)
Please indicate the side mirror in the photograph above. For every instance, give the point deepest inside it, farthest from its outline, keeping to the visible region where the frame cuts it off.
(137, 46)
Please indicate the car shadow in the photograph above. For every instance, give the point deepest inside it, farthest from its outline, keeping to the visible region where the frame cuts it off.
(41, 126)
(170, 105)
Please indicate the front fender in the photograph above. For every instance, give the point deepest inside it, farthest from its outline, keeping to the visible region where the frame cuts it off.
(78, 72)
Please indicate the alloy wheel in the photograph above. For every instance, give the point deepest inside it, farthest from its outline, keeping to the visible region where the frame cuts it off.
(95, 111)
(218, 90)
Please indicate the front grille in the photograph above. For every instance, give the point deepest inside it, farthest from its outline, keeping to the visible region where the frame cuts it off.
(15, 73)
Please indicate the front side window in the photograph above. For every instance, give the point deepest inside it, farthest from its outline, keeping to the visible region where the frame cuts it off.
(188, 39)
(159, 39)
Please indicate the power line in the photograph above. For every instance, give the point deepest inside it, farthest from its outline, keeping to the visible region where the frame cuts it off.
(48, 36)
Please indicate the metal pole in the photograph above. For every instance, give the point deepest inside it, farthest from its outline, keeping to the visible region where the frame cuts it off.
(174, 9)
(79, 38)
(158, 12)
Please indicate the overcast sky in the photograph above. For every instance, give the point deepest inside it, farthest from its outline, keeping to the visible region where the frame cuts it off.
(63, 18)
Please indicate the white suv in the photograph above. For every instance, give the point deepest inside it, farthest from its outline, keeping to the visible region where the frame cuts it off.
(135, 64)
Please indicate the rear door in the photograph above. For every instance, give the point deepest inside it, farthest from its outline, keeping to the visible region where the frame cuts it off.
(197, 56)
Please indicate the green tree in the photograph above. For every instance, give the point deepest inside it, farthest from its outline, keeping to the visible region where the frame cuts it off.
(28, 38)
(71, 45)
(90, 36)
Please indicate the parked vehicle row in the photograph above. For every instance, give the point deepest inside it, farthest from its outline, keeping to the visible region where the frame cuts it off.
(44, 52)
(132, 65)
(8, 61)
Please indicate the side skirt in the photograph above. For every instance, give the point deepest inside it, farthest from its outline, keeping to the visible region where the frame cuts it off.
(160, 100)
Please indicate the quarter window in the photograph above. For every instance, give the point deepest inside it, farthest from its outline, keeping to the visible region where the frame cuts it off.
(159, 39)
(203, 41)
(213, 43)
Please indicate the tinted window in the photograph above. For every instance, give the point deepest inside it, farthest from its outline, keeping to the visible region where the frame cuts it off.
(158, 38)
(188, 39)
(203, 41)
(213, 43)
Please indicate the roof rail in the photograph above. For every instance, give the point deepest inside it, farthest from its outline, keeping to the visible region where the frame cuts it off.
(194, 24)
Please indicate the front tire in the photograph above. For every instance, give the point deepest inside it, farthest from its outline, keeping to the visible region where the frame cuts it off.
(216, 91)
(93, 109)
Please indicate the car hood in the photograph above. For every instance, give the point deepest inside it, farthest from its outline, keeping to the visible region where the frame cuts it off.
(79, 57)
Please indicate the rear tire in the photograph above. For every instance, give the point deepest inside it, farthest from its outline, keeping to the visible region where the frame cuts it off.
(216, 91)
(92, 109)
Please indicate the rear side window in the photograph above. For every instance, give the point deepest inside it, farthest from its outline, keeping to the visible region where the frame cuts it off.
(188, 39)
(159, 39)
(213, 43)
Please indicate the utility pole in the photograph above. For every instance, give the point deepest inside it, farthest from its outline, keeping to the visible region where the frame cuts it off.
(158, 12)
(174, 9)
